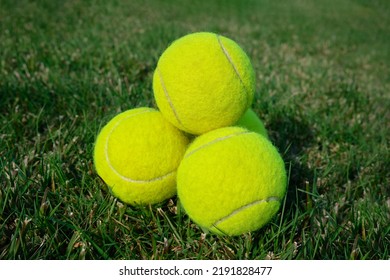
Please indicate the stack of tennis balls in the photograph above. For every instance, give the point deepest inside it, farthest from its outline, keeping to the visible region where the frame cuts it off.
(230, 179)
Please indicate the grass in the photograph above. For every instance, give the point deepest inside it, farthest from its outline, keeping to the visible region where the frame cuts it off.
(323, 82)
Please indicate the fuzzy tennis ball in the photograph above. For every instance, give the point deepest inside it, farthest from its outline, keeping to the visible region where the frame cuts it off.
(252, 122)
(203, 81)
(231, 181)
(137, 154)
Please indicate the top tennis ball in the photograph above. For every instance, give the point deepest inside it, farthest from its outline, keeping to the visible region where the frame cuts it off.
(203, 81)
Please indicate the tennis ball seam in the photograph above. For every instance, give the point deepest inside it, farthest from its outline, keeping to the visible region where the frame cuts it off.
(169, 98)
(244, 207)
(216, 141)
(229, 58)
(116, 171)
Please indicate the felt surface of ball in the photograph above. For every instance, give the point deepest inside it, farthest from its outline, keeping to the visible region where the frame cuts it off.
(231, 181)
(137, 154)
(252, 122)
(203, 81)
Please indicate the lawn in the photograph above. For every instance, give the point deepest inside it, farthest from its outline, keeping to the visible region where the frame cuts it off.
(322, 90)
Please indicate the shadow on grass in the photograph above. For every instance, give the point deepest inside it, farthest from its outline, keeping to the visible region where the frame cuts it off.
(292, 135)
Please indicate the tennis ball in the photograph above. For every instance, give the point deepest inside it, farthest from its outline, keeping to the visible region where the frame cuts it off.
(252, 122)
(231, 181)
(137, 154)
(203, 81)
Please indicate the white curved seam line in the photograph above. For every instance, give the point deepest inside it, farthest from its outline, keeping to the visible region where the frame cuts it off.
(268, 199)
(112, 167)
(227, 55)
(168, 97)
(215, 141)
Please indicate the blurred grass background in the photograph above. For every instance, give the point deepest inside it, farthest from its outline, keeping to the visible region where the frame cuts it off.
(323, 81)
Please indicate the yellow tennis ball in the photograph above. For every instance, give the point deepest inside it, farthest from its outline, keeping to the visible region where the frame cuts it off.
(137, 154)
(231, 181)
(252, 122)
(203, 81)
